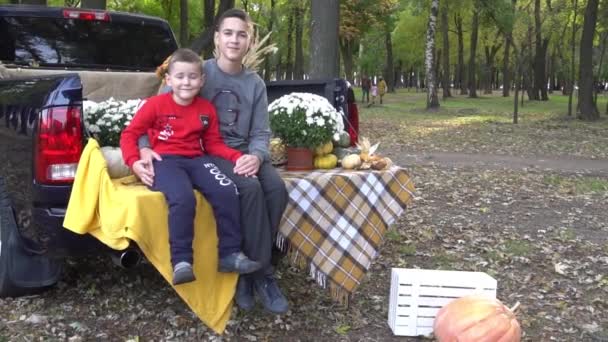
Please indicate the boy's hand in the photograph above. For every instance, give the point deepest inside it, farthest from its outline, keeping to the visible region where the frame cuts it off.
(247, 165)
(144, 168)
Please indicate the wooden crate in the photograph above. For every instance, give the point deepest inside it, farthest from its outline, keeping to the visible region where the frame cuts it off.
(417, 295)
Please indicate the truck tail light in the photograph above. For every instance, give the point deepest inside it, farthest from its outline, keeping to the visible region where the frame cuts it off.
(58, 146)
(86, 15)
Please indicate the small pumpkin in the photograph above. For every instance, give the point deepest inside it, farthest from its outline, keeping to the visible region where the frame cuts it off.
(476, 318)
(351, 161)
(323, 149)
(343, 139)
(328, 161)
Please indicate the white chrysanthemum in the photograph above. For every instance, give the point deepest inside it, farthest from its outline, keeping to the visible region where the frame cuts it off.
(108, 118)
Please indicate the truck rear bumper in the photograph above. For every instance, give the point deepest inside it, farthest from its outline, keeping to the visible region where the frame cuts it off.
(61, 241)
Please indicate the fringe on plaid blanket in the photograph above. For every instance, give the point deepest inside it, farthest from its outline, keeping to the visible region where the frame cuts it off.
(297, 259)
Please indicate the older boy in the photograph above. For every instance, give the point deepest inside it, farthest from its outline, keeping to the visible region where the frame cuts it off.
(183, 129)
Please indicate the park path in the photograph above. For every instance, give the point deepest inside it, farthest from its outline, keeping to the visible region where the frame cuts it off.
(568, 165)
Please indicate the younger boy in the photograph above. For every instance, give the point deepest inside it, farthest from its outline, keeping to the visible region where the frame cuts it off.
(183, 128)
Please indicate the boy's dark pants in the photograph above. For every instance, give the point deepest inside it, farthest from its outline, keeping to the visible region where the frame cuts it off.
(263, 200)
(176, 177)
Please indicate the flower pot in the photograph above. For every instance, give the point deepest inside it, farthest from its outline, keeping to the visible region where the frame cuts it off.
(299, 159)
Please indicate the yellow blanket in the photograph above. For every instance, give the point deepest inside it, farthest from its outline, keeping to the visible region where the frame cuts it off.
(120, 210)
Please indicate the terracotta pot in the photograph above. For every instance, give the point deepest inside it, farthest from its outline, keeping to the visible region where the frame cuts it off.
(299, 159)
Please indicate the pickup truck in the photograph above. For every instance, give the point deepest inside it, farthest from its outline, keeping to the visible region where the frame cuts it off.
(51, 60)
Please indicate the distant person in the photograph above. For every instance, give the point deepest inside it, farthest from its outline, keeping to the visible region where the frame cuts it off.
(365, 87)
(381, 88)
(178, 124)
(374, 94)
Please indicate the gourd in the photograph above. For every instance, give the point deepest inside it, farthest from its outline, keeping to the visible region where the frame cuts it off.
(351, 161)
(476, 318)
(116, 165)
(325, 148)
(328, 161)
(342, 152)
(343, 139)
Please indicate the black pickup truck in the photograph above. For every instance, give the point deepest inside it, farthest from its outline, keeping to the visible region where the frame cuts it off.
(51, 60)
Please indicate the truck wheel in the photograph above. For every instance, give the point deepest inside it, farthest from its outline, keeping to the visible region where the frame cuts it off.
(6, 289)
(4, 199)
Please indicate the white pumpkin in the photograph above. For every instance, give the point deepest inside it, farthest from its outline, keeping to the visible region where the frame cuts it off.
(116, 166)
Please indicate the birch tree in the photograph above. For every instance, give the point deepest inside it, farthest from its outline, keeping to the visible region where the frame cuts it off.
(432, 101)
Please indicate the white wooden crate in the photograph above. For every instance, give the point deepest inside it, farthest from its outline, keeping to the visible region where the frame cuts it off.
(417, 295)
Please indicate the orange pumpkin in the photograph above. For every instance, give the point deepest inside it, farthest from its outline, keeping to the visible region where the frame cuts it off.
(476, 319)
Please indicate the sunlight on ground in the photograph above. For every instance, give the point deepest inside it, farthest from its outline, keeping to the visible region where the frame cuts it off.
(485, 124)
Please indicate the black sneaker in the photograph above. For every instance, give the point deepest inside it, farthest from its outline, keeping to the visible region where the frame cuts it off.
(182, 273)
(239, 263)
(244, 293)
(270, 294)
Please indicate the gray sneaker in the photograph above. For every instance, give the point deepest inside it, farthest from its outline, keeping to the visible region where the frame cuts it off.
(183, 273)
(270, 294)
(239, 263)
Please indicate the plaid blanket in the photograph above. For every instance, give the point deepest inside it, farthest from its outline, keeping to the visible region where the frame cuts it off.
(335, 222)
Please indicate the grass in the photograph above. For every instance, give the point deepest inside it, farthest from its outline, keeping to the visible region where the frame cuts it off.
(518, 247)
(485, 125)
(577, 185)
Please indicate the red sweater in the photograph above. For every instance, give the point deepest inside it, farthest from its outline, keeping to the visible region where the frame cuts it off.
(189, 131)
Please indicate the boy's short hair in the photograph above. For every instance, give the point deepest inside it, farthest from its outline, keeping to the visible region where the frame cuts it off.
(184, 55)
(235, 13)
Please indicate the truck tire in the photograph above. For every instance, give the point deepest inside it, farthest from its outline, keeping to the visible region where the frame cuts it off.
(6, 288)
(4, 199)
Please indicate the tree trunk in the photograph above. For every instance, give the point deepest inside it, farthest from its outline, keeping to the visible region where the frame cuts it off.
(446, 52)
(490, 55)
(204, 42)
(347, 58)
(461, 74)
(599, 67)
(299, 61)
(324, 39)
(506, 73)
(388, 73)
(586, 108)
(267, 61)
(573, 49)
(543, 73)
(473, 50)
(289, 61)
(518, 81)
(539, 60)
(551, 71)
(183, 22)
(33, 2)
(432, 101)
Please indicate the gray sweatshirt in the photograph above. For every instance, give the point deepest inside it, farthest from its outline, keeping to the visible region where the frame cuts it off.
(242, 109)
